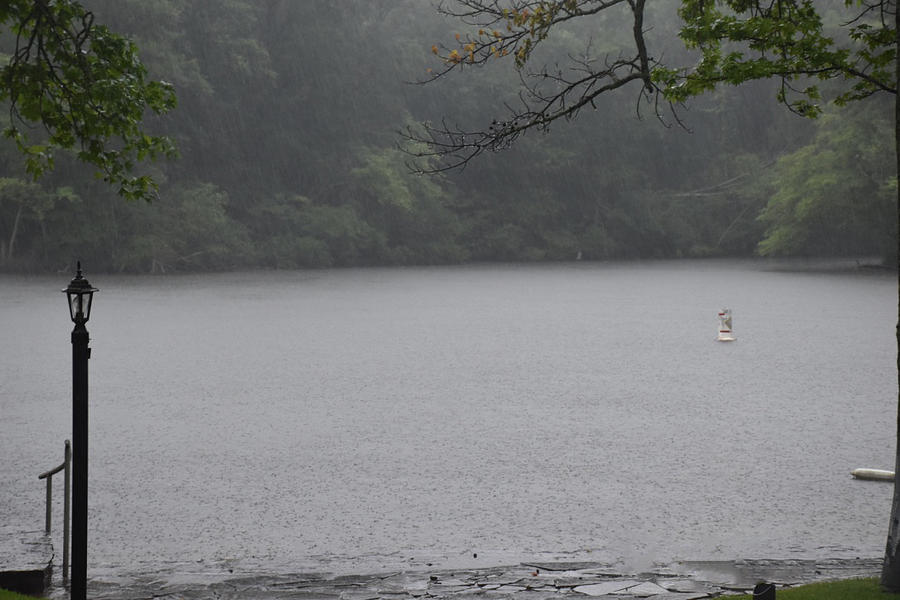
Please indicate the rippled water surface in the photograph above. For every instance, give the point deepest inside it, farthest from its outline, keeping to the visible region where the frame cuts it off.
(370, 419)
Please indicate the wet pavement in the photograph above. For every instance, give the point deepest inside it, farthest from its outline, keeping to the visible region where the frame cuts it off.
(531, 581)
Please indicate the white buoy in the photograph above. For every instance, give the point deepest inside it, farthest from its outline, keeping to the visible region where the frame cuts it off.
(873, 474)
(725, 332)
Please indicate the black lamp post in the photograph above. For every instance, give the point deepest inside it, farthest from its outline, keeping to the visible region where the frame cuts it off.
(80, 294)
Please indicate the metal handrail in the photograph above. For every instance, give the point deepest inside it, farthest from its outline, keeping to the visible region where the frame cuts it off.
(67, 461)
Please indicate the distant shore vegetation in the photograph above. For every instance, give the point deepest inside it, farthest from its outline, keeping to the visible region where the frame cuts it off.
(289, 159)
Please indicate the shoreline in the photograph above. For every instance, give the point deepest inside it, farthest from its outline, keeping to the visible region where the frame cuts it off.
(682, 580)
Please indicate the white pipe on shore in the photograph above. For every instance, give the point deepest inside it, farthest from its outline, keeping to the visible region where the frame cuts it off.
(873, 474)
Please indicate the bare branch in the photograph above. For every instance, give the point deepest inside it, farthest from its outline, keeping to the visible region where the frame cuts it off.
(505, 28)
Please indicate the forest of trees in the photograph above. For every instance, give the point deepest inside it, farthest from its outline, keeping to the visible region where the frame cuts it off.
(287, 128)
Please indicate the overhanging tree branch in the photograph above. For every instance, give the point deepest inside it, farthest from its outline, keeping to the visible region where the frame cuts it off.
(516, 29)
(87, 89)
(737, 41)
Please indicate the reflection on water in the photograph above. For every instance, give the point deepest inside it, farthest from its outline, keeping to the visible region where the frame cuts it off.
(369, 419)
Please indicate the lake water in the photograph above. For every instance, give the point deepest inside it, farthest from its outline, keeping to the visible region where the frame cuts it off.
(366, 420)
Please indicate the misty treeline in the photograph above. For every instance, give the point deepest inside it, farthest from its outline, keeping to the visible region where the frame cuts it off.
(287, 127)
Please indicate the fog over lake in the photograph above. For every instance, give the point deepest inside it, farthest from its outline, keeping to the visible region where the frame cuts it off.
(375, 419)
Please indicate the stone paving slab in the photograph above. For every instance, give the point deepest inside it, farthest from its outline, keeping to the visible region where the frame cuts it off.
(544, 581)
(607, 587)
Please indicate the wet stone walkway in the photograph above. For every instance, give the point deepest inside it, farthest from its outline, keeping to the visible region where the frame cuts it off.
(534, 581)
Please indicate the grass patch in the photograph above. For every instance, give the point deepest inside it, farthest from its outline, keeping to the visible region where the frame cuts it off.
(847, 589)
(7, 595)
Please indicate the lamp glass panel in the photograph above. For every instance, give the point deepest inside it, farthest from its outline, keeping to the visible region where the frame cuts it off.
(86, 305)
(74, 305)
(80, 303)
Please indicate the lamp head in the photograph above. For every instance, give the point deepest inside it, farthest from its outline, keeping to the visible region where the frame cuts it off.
(80, 293)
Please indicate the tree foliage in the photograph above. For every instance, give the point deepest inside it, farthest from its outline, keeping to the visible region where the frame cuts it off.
(741, 41)
(86, 87)
(838, 194)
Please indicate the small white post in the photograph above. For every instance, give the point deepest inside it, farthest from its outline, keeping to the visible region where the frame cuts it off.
(725, 332)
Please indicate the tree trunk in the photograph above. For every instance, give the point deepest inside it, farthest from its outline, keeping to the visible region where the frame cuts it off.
(890, 571)
(12, 237)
